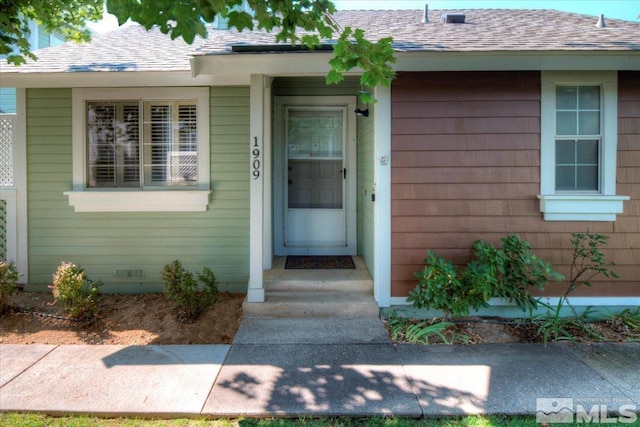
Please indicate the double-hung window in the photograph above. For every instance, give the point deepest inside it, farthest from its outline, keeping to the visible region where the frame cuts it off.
(140, 150)
(578, 138)
(579, 146)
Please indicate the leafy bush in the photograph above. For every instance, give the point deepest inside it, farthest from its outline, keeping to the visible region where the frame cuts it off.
(8, 277)
(514, 269)
(495, 273)
(442, 287)
(191, 297)
(78, 294)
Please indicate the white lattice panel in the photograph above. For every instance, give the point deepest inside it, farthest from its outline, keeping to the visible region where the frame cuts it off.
(6, 150)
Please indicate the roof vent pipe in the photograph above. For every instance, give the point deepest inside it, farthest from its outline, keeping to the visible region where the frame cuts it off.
(425, 18)
(601, 23)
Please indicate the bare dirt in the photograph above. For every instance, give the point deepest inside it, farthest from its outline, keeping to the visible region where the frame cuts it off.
(34, 318)
(142, 319)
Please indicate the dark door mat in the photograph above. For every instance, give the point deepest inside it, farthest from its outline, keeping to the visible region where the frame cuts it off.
(319, 262)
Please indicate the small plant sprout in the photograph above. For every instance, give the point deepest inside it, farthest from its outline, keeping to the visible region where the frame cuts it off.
(588, 262)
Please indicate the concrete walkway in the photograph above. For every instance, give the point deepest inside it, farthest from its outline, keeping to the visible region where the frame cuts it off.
(312, 367)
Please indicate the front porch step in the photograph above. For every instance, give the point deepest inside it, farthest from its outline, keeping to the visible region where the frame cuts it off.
(339, 293)
(319, 285)
(356, 280)
(313, 303)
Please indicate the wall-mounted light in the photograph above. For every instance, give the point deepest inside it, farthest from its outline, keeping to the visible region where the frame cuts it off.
(363, 113)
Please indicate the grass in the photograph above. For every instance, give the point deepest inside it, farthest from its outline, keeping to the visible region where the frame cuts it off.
(39, 420)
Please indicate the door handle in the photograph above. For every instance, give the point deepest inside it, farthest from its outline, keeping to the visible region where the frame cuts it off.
(290, 182)
(344, 173)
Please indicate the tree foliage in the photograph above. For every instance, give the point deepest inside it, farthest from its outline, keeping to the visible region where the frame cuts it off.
(67, 17)
(305, 22)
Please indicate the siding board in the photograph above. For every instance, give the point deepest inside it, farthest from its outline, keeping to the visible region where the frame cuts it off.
(466, 109)
(466, 158)
(464, 175)
(484, 142)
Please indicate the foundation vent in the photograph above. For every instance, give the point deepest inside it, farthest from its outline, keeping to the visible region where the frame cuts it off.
(130, 273)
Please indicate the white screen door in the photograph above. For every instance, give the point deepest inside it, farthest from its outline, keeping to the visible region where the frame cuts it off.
(315, 175)
(316, 142)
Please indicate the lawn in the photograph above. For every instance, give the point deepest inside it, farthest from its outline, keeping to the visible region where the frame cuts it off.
(38, 420)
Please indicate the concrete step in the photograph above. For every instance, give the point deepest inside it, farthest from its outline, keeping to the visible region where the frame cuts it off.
(357, 279)
(319, 285)
(313, 303)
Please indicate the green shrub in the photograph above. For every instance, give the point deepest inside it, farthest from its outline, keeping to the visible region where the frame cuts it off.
(78, 294)
(442, 287)
(494, 273)
(514, 269)
(8, 277)
(191, 297)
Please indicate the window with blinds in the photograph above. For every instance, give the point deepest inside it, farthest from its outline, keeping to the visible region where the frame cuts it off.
(161, 150)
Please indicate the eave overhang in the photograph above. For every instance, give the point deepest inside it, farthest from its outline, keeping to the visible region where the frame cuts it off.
(236, 68)
(318, 62)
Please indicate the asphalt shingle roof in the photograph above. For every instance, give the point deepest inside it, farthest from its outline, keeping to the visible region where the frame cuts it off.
(485, 30)
(129, 48)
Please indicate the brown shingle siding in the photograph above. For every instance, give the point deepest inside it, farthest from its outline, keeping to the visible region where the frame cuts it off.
(458, 176)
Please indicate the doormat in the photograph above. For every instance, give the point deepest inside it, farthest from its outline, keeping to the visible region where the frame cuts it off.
(319, 262)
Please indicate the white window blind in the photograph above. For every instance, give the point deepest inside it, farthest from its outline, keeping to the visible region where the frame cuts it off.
(113, 144)
(167, 138)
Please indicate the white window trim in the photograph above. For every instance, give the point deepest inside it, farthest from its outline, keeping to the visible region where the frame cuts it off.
(588, 206)
(126, 200)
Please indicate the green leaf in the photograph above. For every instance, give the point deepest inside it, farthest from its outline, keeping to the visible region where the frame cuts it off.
(334, 77)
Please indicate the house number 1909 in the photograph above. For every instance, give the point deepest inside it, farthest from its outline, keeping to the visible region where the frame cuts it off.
(256, 159)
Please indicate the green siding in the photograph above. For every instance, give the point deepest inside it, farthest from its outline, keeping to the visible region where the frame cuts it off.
(309, 86)
(365, 188)
(104, 242)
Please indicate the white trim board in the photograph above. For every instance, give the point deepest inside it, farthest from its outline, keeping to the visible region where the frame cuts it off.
(575, 301)
(382, 207)
(20, 183)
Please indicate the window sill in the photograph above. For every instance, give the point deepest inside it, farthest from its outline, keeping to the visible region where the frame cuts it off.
(139, 201)
(588, 207)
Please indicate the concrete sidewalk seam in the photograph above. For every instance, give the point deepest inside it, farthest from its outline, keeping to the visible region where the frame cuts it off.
(30, 366)
(215, 380)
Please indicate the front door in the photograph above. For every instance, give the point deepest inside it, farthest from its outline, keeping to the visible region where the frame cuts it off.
(316, 200)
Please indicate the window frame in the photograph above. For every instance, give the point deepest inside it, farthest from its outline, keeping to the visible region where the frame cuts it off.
(602, 205)
(163, 199)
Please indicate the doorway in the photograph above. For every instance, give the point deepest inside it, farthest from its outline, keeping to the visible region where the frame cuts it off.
(315, 176)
